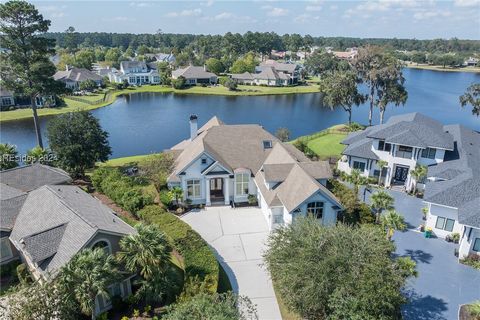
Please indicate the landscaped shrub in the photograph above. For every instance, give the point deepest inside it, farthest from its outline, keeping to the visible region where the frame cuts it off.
(472, 260)
(23, 274)
(123, 190)
(201, 266)
(166, 198)
(179, 83)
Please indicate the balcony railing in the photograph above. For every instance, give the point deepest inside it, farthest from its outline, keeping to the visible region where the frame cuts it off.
(404, 154)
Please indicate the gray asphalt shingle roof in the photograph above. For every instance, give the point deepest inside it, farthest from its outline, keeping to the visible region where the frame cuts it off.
(458, 183)
(193, 72)
(37, 230)
(77, 75)
(30, 177)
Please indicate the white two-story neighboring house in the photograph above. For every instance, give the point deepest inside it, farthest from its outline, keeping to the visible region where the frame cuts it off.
(135, 72)
(452, 191)
(225, 164)
(403, 142)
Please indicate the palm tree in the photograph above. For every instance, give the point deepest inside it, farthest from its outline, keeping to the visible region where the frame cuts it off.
(87, 275)
(392, 221)
(357, 180)
(37, 154)
(177, 194)
(419, 173)
(381, 164)
(146, 252)
(381, 200)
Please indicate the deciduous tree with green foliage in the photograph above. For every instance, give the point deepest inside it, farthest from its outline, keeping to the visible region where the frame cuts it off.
(88, 274)
(245, 64)
(215, 66)
(78, 141)
(335, 272)
(283, 134)
(88, 85)
(339, 89)
(472, 97)
(321, 63)
(157, 168)
(25, 67)
(8, 156)
(227, 306)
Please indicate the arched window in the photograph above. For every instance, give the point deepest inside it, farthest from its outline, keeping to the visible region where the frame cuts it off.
(315, 209)
(104, 244)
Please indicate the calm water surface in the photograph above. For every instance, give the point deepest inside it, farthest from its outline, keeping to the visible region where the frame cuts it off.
(149, 122)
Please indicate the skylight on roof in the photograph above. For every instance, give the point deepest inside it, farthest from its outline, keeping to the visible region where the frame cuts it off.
(267, 144)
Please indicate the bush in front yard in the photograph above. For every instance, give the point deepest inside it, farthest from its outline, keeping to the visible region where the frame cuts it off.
(201, 266)
(123, 190)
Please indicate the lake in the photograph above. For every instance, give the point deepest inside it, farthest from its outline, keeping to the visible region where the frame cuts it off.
(150, 122)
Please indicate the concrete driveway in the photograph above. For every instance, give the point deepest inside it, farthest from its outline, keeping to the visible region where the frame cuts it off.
(443, 284)
(238, 237)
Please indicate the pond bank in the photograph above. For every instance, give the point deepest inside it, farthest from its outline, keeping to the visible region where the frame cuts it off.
(73, 105)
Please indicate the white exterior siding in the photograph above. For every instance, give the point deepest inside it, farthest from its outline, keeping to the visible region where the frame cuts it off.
(435, 211)
(467, 242)
(329, 214)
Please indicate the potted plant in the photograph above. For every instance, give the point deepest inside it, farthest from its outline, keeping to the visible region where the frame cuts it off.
(252, 200)
(422, 228)
(448, 238)
(455, 237)
(424, 212)
(428, 232)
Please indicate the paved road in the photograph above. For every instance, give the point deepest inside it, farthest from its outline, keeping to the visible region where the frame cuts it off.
(238, 237)
(443, 284)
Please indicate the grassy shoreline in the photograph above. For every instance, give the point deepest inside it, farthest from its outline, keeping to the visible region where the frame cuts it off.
(442, 69)
(73, 105)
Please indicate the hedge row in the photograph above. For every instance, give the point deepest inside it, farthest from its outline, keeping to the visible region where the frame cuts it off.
(201, 266)
(123, 190)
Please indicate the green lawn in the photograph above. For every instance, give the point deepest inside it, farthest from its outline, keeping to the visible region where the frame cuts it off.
(328, 145)
(441, 68)
(73, 105)
(121, 162)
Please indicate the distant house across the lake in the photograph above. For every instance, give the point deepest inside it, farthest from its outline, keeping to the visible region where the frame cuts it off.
(135, 72)
(73, 77)
(195, 75)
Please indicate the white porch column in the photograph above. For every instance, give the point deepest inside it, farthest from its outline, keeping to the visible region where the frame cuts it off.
(226, 192)
(207, 191)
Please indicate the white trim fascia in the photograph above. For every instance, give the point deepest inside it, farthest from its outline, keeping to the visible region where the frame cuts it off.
(441, 205)
(214, 165)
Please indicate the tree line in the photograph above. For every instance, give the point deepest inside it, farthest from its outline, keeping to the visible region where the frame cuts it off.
(260, 42)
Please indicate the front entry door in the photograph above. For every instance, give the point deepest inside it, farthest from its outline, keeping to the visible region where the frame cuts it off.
(401, 174)
(216, 188)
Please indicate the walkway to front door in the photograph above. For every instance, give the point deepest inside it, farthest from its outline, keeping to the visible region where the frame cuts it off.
(400, 175)
(238, 237)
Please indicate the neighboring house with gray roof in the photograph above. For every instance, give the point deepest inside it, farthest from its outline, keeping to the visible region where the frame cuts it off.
(403, 142)
(44, 222)
(162, 57)
(135, 73)
(288, 72)
(452, 191)
(195, 75)
(267, 76)
(73, 77)
(228, 164)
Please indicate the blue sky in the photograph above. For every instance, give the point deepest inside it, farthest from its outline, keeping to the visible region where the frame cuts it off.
(421, 19)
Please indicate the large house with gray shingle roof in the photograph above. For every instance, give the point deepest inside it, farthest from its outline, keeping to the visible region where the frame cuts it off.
(44, 222)
(195, 75)
(228, 164)
(452, 191)
(403, 142)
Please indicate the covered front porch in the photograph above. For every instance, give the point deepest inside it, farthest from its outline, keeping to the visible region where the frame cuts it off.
(217, 190)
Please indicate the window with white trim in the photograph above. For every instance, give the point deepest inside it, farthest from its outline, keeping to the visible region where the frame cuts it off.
(5, 249)
(359, 165)
(315, 209)
(384, 146)
(476, 245)
(241, 184)
(193, 189)
(429, 153)
(278, 219)
(445, 224)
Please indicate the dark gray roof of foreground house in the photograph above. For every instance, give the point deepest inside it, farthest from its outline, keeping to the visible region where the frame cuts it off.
(457, 179)
(57, 221)
(9, 209)
(30, 177)
(192, 72)
(411, 129)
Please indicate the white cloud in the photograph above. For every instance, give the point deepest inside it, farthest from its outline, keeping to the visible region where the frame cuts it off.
(185, 13)
(313, 8)
(427, 14)
(231, 17)
(305, 17)
(333, 7)
(53, 11)
(369, 8)
(223, 16)
(277, 12)
(466, 3)
(207, 3)
(140, 4)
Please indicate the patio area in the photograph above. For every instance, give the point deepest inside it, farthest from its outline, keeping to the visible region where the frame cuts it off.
(238, 239)
(443, 284)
